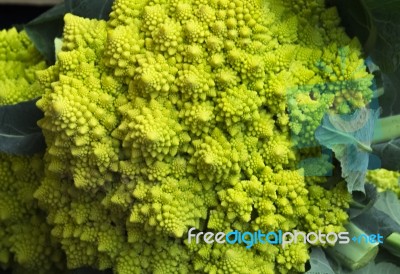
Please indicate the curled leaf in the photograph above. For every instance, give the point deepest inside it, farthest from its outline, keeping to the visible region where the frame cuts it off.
(349, 137)
(362, 202)
(389, 153)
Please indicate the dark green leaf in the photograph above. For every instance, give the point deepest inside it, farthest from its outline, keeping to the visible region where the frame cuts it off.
(96, 9)
(87, 270)
(379, 268)
(386, 256)
(356, 19)
(383, 217)
(390, 99)
(19, 132)
(389, 153)
(45, 28)
(377, 25)
(319, 263)
(385, 16)
(375, 221)
(363, 201)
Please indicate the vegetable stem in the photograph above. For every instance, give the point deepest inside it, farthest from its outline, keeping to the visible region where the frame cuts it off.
(355, 254)
(386, 129)
(392, 244)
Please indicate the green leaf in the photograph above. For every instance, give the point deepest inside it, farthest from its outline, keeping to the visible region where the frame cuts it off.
(349, 136)
(45, 28)
(319, 263)
(386, 256)
(379, 268)
(390, 99)
(389, 153)
(95, 9)
(19, 132)
(375, 221)
(383, 217)
(362, 202)
(389, 203)
(356, 20)
(376, 24)
(385, 16)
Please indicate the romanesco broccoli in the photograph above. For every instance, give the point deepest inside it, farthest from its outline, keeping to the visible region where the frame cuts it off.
(178, 114)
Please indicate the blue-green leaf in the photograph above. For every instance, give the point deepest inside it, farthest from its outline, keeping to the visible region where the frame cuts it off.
(362, 202)
(389, 203)
(381, 267)
(349, 137)
(375, 221)
(319, 263)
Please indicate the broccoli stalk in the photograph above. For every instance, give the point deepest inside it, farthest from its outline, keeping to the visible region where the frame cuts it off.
(386, 129)
(357, 253)
(392, 243)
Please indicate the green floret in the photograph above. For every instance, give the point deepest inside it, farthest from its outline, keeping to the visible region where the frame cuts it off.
(19, 60)
(384, 180)
(213, 159)
(26, 243)
(171, 205)
(79, 107)
(327, 209)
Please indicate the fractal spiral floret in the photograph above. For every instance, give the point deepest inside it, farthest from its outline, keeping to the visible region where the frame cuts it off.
(176, 114)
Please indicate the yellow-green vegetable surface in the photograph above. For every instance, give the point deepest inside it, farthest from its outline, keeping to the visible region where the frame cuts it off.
(178, 114)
